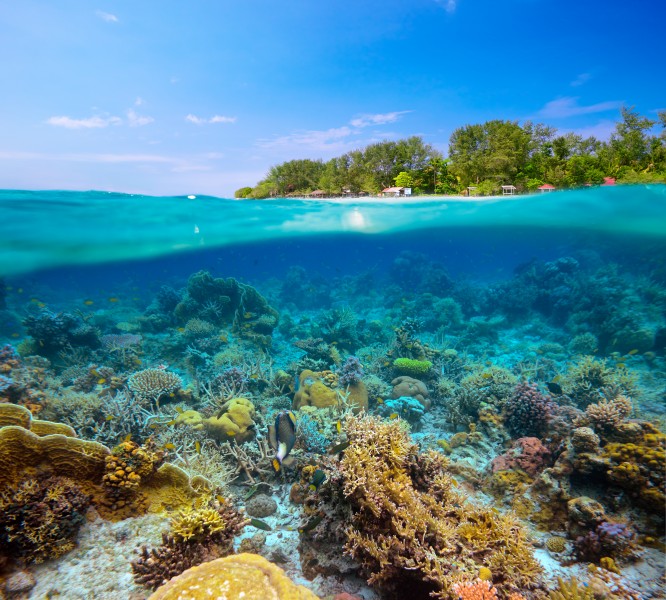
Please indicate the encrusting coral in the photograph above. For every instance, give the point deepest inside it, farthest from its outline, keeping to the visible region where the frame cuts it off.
(411, 530)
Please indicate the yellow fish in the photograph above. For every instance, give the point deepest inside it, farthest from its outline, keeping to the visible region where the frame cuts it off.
(179, 410)
(197, 447)
(393, 416)
(109, 417)
(169, 446)
(113, 299)
(15, 335)
(88, 302)
(632, 352)
(621, 366)
(172, 422)
(338, 427)
(101, 381)
(128, 437)
(486, 375)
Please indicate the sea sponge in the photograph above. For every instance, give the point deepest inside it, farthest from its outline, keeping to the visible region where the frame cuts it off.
(412, 367)
(236, 422)
(247, 576)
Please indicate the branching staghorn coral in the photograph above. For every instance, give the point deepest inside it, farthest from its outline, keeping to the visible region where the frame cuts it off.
(409, 526)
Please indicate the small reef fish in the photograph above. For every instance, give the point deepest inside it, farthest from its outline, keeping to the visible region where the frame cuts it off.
(318, 477)
(88, 302)
(311, 524)
(338, 427)
(339, 447)
(259, 524)
(113, 300)
(197, 447)
(632, 352)
(554, 388)
(169, 446)
(282, 437)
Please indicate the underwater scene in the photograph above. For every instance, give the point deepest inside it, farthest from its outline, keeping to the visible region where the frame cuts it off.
(354, 399)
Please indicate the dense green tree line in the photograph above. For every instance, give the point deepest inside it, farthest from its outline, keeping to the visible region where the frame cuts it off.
(485, 156)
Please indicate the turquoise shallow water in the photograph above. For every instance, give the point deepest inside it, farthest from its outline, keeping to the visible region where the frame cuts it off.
(59, 228)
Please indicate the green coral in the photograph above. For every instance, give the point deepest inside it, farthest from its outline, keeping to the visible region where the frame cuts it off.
(412, 366)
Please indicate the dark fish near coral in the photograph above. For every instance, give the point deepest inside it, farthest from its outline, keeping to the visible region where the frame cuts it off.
(554, 388)
(311, 524)
(259, 524)
(339, 447)
(282, 436)
(317, 479)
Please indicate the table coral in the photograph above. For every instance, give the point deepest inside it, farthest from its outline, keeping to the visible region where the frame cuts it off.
(247, 576)
(411, 531)
(149, 385)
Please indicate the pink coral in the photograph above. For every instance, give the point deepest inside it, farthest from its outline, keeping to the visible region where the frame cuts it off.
(528, 454)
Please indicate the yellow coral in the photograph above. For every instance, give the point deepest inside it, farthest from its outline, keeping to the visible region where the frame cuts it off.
(556, 544)
(197, 523)
(571, 590)
(318, 389)
(247, 576)
(236, 422)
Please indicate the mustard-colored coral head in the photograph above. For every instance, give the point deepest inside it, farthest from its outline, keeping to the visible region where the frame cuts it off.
(247, 576)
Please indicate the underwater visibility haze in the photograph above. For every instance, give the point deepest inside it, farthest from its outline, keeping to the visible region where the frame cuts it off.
(385, 399)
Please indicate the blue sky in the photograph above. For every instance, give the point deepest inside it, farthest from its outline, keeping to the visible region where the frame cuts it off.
(166, 97)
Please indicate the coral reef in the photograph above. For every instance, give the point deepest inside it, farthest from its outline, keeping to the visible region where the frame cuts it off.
(411, 530)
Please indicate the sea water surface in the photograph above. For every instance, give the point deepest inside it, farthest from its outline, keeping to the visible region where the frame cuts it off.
(39, 230)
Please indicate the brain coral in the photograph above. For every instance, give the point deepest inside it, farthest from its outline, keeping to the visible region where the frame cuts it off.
(247, 576)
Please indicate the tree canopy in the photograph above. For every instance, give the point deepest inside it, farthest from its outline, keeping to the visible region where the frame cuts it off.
(485, 156)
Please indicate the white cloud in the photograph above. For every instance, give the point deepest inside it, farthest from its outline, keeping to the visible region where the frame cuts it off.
(602, 130)
(569, 107)
(136, 120)
(139, 101)
(449, 5)
(314, 139)
(89, 123)
(581, 79)
(378, 119)
(105, 16)
(221, 119)
(214, 119)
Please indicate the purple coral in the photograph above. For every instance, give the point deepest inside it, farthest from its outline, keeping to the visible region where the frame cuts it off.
(350, 372)
(612, 539)
(527, 411)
